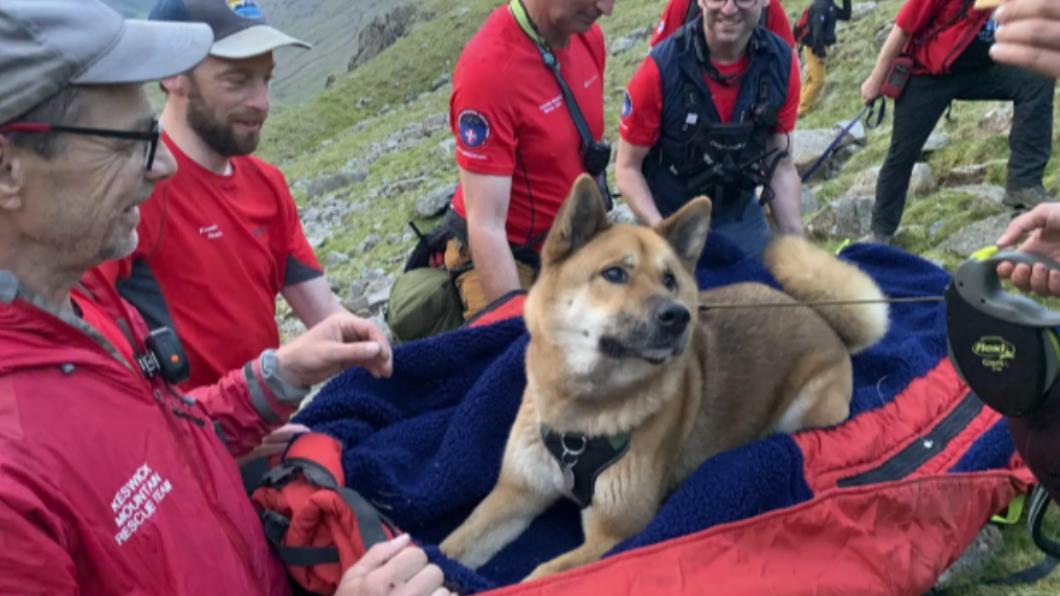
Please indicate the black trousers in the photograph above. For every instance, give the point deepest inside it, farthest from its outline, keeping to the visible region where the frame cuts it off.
(925, 100)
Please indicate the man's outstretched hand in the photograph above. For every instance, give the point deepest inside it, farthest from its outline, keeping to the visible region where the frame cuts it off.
(338, 342)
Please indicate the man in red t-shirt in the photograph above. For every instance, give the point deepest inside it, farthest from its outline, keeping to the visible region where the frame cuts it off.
(518, 148)
(949, 43)
(221, 238)
(679, 12)
(710, 112)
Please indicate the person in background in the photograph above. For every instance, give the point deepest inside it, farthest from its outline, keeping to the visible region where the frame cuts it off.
(517, 146)
(221, 239)
(709, 111)
(679, 12)
(815, 33)
(949, 43)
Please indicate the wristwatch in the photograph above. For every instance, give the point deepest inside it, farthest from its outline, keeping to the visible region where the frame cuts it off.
(284, 391)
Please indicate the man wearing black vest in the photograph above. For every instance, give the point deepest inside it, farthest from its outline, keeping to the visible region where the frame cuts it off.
(709, 112)
(949, 44)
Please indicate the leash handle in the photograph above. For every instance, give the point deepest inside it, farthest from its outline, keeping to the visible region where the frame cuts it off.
(977, 282)
(873, 116)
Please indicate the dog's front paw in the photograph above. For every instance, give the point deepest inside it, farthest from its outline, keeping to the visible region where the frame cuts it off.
(452, 547)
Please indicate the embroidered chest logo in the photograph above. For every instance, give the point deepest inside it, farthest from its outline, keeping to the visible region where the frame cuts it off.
(137, 500)
(211, 232)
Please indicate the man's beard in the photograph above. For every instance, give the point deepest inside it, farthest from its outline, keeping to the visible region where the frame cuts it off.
(215, 133)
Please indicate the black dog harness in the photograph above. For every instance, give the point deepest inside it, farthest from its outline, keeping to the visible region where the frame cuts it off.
(582, 459)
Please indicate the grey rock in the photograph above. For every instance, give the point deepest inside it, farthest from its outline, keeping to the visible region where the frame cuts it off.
(461, 11)
(622, 44)
(936, 141)
(622, 214)
(807, 202)
(808, 145)
(393, 239)
(435, 201)
(373, 274)
(442, 80)
(936, 229)
(882, 33)
(848, 217)
(378, 292)
(335, 258)
(370, 242)
(998, 119)
(986, 546)
(358, 287)
(921, 181)
(966, 174)
(364, 102)
(328, 183)
(448, 146)
(989, 192)
(856, 134)
(977, 235)
(861, 9)
(329, 81)
(381, 33)
(639, 33)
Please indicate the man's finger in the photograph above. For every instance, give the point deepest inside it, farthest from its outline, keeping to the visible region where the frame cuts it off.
(1018, 227)
(1016, 10)
(1035, 32)
(406, 564)
(379, 554)
(1021, 277)
(424, 583)
(1004, 269)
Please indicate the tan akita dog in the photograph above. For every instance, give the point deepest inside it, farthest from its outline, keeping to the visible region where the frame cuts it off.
(622, 361)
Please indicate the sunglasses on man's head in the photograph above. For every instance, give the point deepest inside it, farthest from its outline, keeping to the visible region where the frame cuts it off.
(150, 136)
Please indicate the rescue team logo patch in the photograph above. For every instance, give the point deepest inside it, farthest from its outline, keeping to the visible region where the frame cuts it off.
(474, 128)
(627, 105)
(245, 8)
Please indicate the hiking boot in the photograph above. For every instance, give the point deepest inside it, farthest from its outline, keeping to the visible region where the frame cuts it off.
(877, 238)
(1026, 198)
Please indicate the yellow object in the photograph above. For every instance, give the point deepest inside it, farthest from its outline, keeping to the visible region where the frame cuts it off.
(1013, 513)
(984, 253)
(811, 87)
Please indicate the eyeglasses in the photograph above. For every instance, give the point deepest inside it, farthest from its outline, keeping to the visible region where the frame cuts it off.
(150, 136)
(741, 4)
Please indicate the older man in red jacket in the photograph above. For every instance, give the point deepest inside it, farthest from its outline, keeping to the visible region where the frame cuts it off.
(112, 480)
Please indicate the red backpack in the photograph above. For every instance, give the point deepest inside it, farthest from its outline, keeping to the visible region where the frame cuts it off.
(317, 526)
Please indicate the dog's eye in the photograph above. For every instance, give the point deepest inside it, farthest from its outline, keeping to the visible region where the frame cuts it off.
(669, 281)
(615, 275)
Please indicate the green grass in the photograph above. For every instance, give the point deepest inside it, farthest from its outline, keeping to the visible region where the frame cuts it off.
(318, 136)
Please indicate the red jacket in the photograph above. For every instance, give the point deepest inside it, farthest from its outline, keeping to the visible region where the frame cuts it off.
(940, 31)
(114, 484)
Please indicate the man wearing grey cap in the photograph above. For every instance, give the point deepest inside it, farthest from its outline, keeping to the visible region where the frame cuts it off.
(112, 481)
(221, 239)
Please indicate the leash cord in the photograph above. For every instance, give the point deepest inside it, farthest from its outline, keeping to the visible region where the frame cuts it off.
(703, 307)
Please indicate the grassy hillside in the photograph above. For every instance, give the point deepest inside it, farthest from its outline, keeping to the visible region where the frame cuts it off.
(354, 123)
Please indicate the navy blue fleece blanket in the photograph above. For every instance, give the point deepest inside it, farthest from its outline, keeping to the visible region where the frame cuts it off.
(426, 445)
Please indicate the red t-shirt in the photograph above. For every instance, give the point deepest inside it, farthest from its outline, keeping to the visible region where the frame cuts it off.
(96, 318)
(642, 115)
(509, 118)
(916, 17)
(220, 248)
(673, 17)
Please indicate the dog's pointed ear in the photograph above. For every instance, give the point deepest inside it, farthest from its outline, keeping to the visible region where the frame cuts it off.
(687, 230)
(581, 217)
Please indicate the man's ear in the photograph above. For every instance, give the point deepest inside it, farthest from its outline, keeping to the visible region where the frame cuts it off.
(581, 217)
(175, 85)
(687, 230)
(11, 177)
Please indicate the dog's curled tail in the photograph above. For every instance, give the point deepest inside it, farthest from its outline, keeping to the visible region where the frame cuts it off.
(811, 274)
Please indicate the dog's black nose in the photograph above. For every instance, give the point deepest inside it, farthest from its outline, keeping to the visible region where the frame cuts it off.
(672, 317)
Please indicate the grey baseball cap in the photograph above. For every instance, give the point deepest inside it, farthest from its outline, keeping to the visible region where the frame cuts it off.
(239, 27)
(46, 45)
